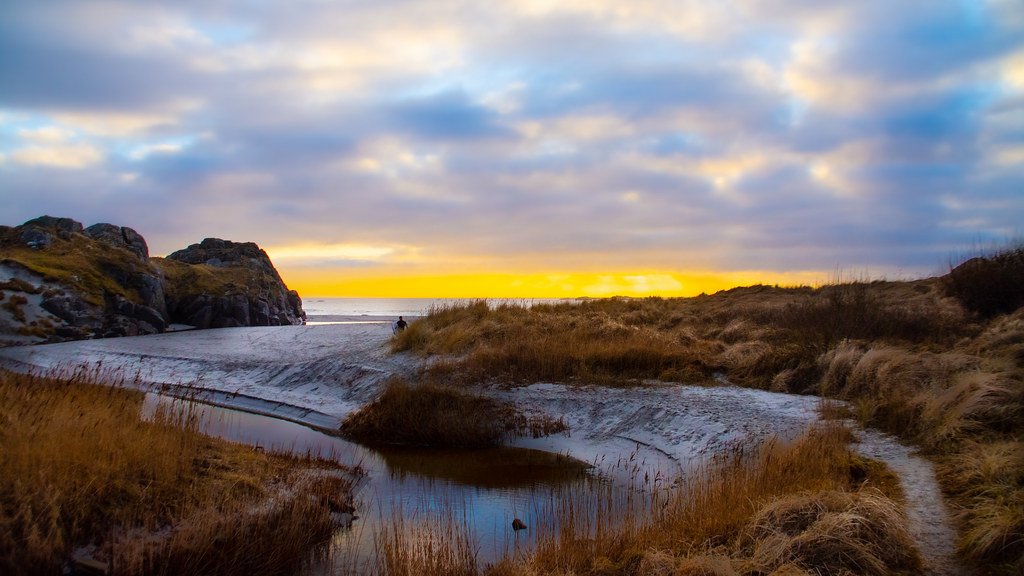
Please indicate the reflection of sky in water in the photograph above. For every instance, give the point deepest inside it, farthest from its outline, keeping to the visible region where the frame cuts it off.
(481, 489)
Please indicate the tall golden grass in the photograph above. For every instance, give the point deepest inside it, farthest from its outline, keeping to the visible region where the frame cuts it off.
(807, 507)
(81, 469)
(910, 358)
(752, 334)
(424, 545)
(430, 414)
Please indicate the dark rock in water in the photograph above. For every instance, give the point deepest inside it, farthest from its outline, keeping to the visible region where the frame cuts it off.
(518, 525)
(155, 320)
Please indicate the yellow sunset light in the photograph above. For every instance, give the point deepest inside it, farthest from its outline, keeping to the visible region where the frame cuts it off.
(311, 282)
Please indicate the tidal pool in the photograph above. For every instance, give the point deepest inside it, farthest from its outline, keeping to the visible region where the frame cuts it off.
(475, 492)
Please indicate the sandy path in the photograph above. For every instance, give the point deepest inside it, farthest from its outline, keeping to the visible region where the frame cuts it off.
(317, 375)
(929, 520)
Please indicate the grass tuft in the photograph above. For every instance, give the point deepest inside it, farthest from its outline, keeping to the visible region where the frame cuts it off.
(430, 414)
(805, 507)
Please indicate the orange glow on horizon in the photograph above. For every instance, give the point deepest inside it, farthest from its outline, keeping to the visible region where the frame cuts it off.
(311, 282)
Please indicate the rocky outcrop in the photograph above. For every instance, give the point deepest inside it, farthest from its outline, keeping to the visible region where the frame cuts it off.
(41, 232)
(226, 284)
(120, 237)
(62, 281)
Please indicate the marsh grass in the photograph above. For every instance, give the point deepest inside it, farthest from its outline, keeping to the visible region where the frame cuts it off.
(80, 469)
(806, 505)
(432, 544)
(430, 414)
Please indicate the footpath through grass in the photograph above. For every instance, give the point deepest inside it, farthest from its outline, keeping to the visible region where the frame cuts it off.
(80, 469)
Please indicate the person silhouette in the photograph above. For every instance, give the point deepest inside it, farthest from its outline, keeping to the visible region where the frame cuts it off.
(400, 325)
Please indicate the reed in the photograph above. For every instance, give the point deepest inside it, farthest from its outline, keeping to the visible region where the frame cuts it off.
(82, 471)
(426, 544)
(809, 505)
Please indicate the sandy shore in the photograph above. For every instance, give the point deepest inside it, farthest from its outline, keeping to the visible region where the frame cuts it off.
(315, 375)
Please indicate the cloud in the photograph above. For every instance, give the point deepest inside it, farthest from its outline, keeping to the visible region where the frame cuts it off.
(70, 156)
(46, 134)
(585, 135)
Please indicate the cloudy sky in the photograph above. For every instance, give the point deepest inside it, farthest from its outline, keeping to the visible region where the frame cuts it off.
(525, 148)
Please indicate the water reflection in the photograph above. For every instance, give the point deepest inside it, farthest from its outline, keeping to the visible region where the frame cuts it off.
(492, 468)
(481, 491)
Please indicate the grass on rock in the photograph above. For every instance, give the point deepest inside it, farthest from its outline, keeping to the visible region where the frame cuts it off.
(189, 280)
(84, 264)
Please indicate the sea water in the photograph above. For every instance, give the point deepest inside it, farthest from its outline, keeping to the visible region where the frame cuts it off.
(383, 310)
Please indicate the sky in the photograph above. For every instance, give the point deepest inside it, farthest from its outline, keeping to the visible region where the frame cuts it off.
(525, 148)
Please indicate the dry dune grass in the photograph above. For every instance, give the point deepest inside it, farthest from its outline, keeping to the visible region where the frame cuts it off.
(860, 533)
(80, 467)
(430, 414)
(918, 359)
(794, 508)
(986, 480)
(752, 334)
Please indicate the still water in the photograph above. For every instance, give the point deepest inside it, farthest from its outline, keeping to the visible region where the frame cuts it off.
(480, 491)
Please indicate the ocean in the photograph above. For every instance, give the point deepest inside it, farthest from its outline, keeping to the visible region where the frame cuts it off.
(382, 310)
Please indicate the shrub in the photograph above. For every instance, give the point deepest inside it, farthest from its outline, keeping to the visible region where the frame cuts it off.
(434, 415)
(14, 306)
(991, 284)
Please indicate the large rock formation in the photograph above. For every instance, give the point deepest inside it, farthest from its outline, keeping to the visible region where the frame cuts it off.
(61, 281)
(218, 283)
